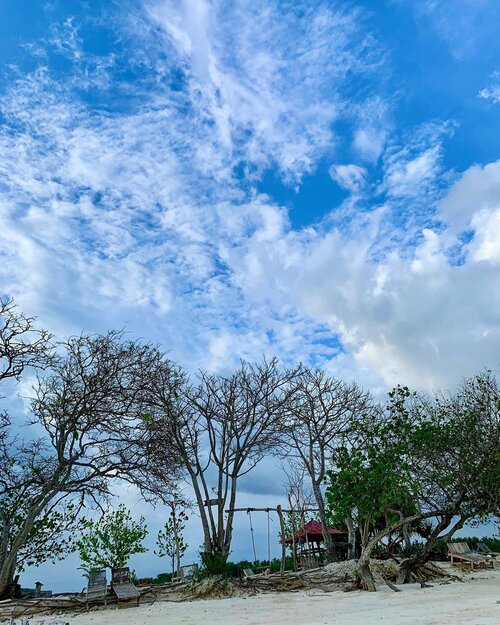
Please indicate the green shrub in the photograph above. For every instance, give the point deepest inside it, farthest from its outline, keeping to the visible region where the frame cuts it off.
(162, 578)
(235, 569)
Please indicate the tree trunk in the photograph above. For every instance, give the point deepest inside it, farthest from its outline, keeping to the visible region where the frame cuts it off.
(294, 543)
(206, 554)
(175, 555)
(364, 575)
(351, 539)
(363, 571)
(283, 545)
(406, 539)
(409, 566)
(7, 572)
(214, 561)
(327, 537)
(9, 562)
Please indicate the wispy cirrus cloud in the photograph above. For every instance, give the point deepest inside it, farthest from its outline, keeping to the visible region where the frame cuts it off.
(270, 77)
(492, 92)
(137, 195)
(460, 23)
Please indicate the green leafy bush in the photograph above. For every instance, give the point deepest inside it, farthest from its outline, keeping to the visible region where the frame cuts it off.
(110, 541)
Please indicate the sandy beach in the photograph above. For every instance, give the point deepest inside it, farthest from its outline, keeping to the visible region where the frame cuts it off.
(476, 601)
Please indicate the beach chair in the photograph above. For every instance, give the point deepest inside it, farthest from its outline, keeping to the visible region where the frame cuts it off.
(97, 586)
(461, 552)
(248, 573)
(123, 588)
(485, 550)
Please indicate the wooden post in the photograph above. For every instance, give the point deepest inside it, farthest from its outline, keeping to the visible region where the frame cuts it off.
(283, 545)
(294, 544)
(308, 544)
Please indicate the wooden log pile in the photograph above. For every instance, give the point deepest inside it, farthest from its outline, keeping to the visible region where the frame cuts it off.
(332, 577)
(293, 581)
(428, 572)
(64, 604)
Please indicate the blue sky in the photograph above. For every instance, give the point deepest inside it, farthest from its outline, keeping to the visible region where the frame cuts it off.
(314, 180)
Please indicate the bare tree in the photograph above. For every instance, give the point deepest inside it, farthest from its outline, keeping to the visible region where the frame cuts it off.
(296, 483)
(300, 498)
(221, 427)
(22, 344)
(321, 411)
(94, 430)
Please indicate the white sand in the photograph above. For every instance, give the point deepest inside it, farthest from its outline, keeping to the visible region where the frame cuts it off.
(474, 602)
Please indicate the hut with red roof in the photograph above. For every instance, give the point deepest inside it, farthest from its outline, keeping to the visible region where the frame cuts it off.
(306, 543)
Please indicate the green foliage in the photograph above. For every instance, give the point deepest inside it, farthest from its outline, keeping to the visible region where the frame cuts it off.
(110, 541)
(491, 541)
(372, 478)
(212, 564)
(51, 538)
(235, 569)
(162, 578)
(437, 458)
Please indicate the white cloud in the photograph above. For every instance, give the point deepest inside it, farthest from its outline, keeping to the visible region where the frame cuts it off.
(269, 79)
(412, 162)
(133, 215)
(350, 177)
(417, 320)
(460, 23)
(491, 93)
(476, 190)
(369, 142)
(486, 243)
(407, 177)
(372, 129)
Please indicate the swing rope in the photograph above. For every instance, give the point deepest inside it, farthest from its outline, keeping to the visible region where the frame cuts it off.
(252, 535)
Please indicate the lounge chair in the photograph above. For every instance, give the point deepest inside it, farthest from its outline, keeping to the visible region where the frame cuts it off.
(248, 573)
(97, 586)
(485, 550)
(123, 588)
(461, 552)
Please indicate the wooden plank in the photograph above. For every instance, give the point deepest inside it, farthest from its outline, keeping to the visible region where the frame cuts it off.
(97, 584)
(270, 510)
(208, 503)
(126, 591)
(121, 575)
